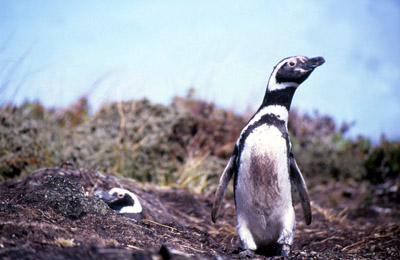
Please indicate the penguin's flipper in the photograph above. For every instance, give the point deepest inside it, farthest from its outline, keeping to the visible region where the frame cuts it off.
(297, 179)
(226, 176)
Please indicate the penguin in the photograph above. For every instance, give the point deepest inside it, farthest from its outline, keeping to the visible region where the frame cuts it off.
(122, 201)
(264, 167)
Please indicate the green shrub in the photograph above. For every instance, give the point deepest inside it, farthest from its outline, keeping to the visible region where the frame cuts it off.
(383, 162)
(322, 151)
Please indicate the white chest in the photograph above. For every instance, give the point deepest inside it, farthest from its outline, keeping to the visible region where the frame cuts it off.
(263, 184)
(265, 152)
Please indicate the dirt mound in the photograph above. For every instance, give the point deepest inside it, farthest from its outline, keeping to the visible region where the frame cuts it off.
(51, 214)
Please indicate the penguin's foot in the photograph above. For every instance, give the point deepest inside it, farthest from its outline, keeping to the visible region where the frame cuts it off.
(247, 254)
(285, 250)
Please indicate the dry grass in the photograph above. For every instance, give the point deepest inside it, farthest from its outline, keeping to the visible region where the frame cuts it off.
(64, 242)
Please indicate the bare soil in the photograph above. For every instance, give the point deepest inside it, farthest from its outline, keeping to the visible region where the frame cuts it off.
(51, 214)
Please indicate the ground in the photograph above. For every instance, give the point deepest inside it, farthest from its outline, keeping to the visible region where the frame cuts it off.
(51, 214)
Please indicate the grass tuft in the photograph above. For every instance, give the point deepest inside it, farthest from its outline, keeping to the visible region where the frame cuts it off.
(63, 242)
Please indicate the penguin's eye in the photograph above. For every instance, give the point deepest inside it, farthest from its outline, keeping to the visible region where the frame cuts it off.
(292, 63)
(120, 195)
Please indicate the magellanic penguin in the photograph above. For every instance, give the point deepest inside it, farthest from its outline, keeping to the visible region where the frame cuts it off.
(122, 201)
(264, 167)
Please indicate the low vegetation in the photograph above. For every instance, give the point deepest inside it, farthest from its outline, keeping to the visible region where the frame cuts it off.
(185, 144)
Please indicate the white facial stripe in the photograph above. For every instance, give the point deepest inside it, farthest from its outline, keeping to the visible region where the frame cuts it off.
(300, 69)
(273, 85)
(136, 208)
(131, 209)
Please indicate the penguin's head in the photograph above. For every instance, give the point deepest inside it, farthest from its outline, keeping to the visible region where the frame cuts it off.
(122, 201)
(293, 71)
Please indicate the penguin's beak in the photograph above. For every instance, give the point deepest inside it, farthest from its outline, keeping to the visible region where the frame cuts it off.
(105, 196)
(314, 62)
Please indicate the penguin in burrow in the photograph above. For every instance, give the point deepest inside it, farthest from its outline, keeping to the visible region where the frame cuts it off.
(123, 201)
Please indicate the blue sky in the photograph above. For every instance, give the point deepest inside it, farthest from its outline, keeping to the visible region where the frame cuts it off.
(56, 51)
